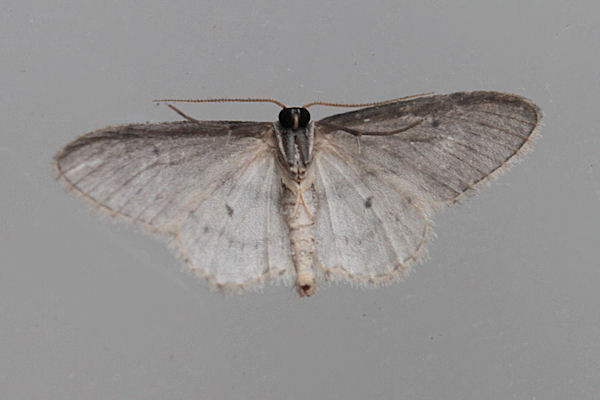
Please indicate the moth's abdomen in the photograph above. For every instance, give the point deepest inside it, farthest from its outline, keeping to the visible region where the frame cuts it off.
(299, 210)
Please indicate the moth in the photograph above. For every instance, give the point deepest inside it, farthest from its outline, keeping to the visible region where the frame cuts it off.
(348, 198)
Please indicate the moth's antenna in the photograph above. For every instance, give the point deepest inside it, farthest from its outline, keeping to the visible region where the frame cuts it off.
(376, 103)
(280, 104)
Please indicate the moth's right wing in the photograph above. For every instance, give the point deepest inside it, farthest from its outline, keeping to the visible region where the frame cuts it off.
(455, 144)
(376, 194)
(212, 185)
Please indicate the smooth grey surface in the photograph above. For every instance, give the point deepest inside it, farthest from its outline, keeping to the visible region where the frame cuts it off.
(505, 307)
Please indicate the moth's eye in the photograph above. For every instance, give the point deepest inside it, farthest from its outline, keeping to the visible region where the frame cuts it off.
(304, 117)
(285, 118)
(287, 115)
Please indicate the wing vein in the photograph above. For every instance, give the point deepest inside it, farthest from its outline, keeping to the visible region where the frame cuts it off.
(326, 189)
(415, 147)
(267, 235)
(504, 116)
(124, 184)
(364, 198)
(336, 149)
(421, 171)
(490, 138)
(468, 163)
(138, 192)
(235, 199)
(470, 148)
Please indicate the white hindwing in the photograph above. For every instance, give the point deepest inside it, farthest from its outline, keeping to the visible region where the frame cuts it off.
(370, 226)
(234, 234)
(213, 187)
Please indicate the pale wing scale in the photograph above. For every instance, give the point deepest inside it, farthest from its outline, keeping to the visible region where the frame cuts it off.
(462, 140)
(367, 231)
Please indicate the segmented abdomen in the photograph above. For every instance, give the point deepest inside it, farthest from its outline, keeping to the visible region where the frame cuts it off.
(299, 210)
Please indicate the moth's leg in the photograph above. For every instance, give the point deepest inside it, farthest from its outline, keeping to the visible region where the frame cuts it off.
(310, 214)
(178, 111)
(297, 205)
(301, 200)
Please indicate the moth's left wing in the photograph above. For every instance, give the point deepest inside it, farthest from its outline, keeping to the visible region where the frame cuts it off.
(212, 186)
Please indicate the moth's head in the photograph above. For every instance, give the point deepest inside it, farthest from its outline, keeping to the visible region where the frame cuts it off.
(295, 137)
(294, 118)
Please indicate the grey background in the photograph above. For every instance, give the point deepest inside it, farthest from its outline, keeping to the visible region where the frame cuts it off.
(505, 307)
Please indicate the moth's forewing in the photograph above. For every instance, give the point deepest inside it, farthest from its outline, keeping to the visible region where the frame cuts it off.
(147, 172)
(462, 140)
(164, 176)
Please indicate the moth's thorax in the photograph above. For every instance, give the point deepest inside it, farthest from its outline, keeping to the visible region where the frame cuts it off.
(295, 148)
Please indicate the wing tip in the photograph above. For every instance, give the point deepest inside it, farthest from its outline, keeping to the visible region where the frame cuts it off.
(526, 147)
